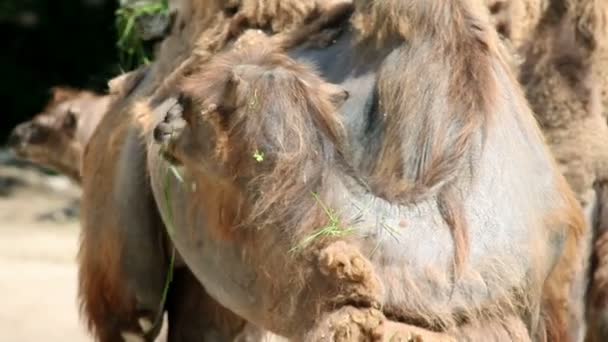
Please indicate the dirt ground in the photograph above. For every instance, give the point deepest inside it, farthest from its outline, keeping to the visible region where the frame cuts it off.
(38, 244)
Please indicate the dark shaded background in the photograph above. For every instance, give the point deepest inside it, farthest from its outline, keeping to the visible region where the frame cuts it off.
(45, 43)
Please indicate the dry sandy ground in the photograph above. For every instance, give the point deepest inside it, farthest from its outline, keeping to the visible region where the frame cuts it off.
(37, 258)
(38, 244)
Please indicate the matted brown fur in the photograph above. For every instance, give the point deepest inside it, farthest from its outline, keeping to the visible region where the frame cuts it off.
(228, 72)
(559, 78)
(102, 291)
(516, 20)
(597, 312)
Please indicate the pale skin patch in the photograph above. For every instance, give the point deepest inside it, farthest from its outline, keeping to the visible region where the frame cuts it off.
(145, 325)
(131, 337)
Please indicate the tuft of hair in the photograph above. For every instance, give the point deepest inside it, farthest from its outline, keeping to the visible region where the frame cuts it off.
(61, 94)
(267, 102)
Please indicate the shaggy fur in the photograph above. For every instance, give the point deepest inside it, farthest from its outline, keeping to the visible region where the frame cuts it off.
(228, 73)
(117, 296)
(559, 79)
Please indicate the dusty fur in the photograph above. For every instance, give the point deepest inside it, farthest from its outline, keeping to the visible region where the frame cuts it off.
(560, 84)
(201, 29)
(284, 154)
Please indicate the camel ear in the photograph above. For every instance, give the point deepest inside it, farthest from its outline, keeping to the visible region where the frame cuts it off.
(61, 94)
(124, 84)
(337, 95)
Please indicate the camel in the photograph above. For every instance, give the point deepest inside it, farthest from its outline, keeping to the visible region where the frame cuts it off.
(67, 123)
(435, 155)
(399, 155)
(56, 137)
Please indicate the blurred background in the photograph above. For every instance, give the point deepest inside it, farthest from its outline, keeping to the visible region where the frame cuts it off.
(48, 43)
(45, 43)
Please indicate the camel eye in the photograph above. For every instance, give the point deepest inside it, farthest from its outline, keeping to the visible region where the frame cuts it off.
(70, 120)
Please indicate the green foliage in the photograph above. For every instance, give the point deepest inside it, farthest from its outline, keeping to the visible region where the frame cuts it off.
(258, 156)
(8, 10)
(132, 51)
(334, 227)
(47, 43)
(171, 230)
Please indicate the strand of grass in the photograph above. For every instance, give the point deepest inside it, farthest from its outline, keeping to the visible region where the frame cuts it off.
(176, 173)
(170, 229)
(333, 229)
(168, 280)
(328, 211)
(391, 230)
(375, 249)
(328, 231)
(131, 46)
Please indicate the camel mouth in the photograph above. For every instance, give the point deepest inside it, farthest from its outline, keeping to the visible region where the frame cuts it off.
(15, 142)
(24, 135)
